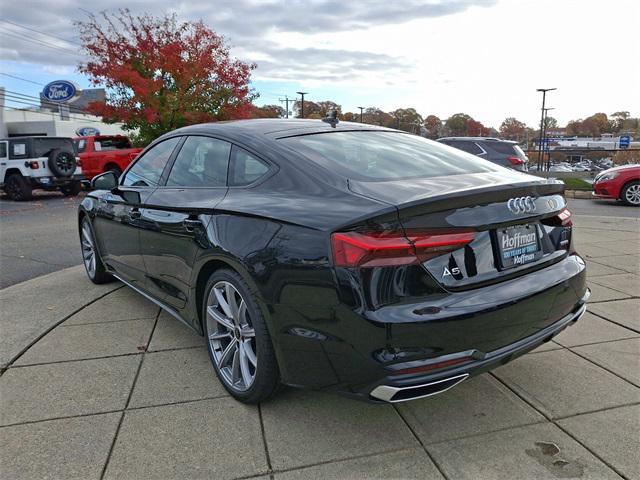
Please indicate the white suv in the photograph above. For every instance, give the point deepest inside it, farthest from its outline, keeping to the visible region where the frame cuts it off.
(48, 163)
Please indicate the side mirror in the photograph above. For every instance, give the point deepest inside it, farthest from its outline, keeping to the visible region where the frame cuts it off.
(104, 181)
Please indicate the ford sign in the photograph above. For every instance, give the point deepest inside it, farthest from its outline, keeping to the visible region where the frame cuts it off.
(60, 91)
(87, 132)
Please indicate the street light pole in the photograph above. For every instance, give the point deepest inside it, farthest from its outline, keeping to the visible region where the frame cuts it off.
(544, 95)
(361, 109)
(302, 94)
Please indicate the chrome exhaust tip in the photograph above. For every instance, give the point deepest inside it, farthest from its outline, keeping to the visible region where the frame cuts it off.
(391, 394)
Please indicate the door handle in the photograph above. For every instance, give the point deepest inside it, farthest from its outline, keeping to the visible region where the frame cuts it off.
(134, 214)
(190, 224)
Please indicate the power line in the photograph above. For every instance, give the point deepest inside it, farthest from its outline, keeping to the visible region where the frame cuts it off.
(40, 32)
(20, 78)
(63, 50)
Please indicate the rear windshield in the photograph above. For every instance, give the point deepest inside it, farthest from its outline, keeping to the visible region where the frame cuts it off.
(111, 143)
(367, 155)
(43, 146)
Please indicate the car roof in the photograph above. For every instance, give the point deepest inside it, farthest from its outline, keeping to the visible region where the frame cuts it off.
(477, 139)
(275, 127)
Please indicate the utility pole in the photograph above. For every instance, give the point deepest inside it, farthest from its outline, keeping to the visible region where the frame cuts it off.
(361, 109)
(540, 146)
(302, 94)
(286, 100)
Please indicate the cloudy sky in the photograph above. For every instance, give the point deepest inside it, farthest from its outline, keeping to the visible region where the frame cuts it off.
(482, 57)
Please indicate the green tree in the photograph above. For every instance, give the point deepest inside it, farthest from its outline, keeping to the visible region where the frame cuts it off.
(267, 111)
(456, 124)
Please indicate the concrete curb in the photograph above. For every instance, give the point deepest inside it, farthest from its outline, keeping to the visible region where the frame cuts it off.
(581, 194)
(31, 309)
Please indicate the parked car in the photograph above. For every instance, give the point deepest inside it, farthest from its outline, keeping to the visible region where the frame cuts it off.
(340, 257)
(561, 167)
(104, 153)
(501, 152)
(620, 183)
(46, 163)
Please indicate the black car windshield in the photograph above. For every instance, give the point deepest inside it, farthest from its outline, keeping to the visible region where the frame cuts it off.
(368, 155)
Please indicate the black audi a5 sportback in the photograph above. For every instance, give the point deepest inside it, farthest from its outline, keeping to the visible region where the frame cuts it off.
(340, 257)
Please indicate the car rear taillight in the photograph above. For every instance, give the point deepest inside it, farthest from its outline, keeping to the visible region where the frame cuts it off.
(515, 160)
(374, 249)
(34, 165)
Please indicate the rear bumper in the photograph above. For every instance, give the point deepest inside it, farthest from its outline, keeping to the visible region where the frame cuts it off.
(398, 389)
(53, 182)
(353, 350)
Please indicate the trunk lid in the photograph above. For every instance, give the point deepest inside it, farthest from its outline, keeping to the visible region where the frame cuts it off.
(514, 218)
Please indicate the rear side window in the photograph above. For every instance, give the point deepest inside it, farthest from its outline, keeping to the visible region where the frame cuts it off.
(42, 146)
(147, 170)
(469, 147)
(3, 149)
(81, 145)
(18, 149)
(385, 155)
(201, 162)
(245, 168)
(503, 147)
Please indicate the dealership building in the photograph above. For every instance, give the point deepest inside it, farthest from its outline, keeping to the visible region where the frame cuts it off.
(61, 113)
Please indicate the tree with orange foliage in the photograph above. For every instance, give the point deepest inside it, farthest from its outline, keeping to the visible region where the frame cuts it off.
(162, 74)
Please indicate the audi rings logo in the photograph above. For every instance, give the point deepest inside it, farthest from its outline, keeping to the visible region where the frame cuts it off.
(521, 205)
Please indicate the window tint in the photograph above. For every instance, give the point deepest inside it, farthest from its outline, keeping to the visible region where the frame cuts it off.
(469, 147)
(147, 170)
(3, 149)
(385, 155)
(81, 145)
(201, 162)
(503, 147)
(245, 168)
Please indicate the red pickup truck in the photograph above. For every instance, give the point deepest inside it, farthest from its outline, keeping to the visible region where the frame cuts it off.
(103, 153)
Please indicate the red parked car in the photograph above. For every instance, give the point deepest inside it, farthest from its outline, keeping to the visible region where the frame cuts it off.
(103, 153)
(620, 183)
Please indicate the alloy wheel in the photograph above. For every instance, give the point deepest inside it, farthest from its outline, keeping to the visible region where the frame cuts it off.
(231, 336)
(88, 250)
(632, 195)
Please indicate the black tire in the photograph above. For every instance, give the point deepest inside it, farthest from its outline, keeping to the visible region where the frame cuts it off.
(629, 194)
(267, 377)
(18, 188)
(71, 189)
(98, 274)
(62, 163)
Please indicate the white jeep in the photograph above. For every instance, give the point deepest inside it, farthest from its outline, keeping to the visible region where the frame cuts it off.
(48, 163)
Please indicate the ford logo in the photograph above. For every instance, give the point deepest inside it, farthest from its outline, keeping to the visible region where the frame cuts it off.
(87, 132)
(521, 205)
(60, 91)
